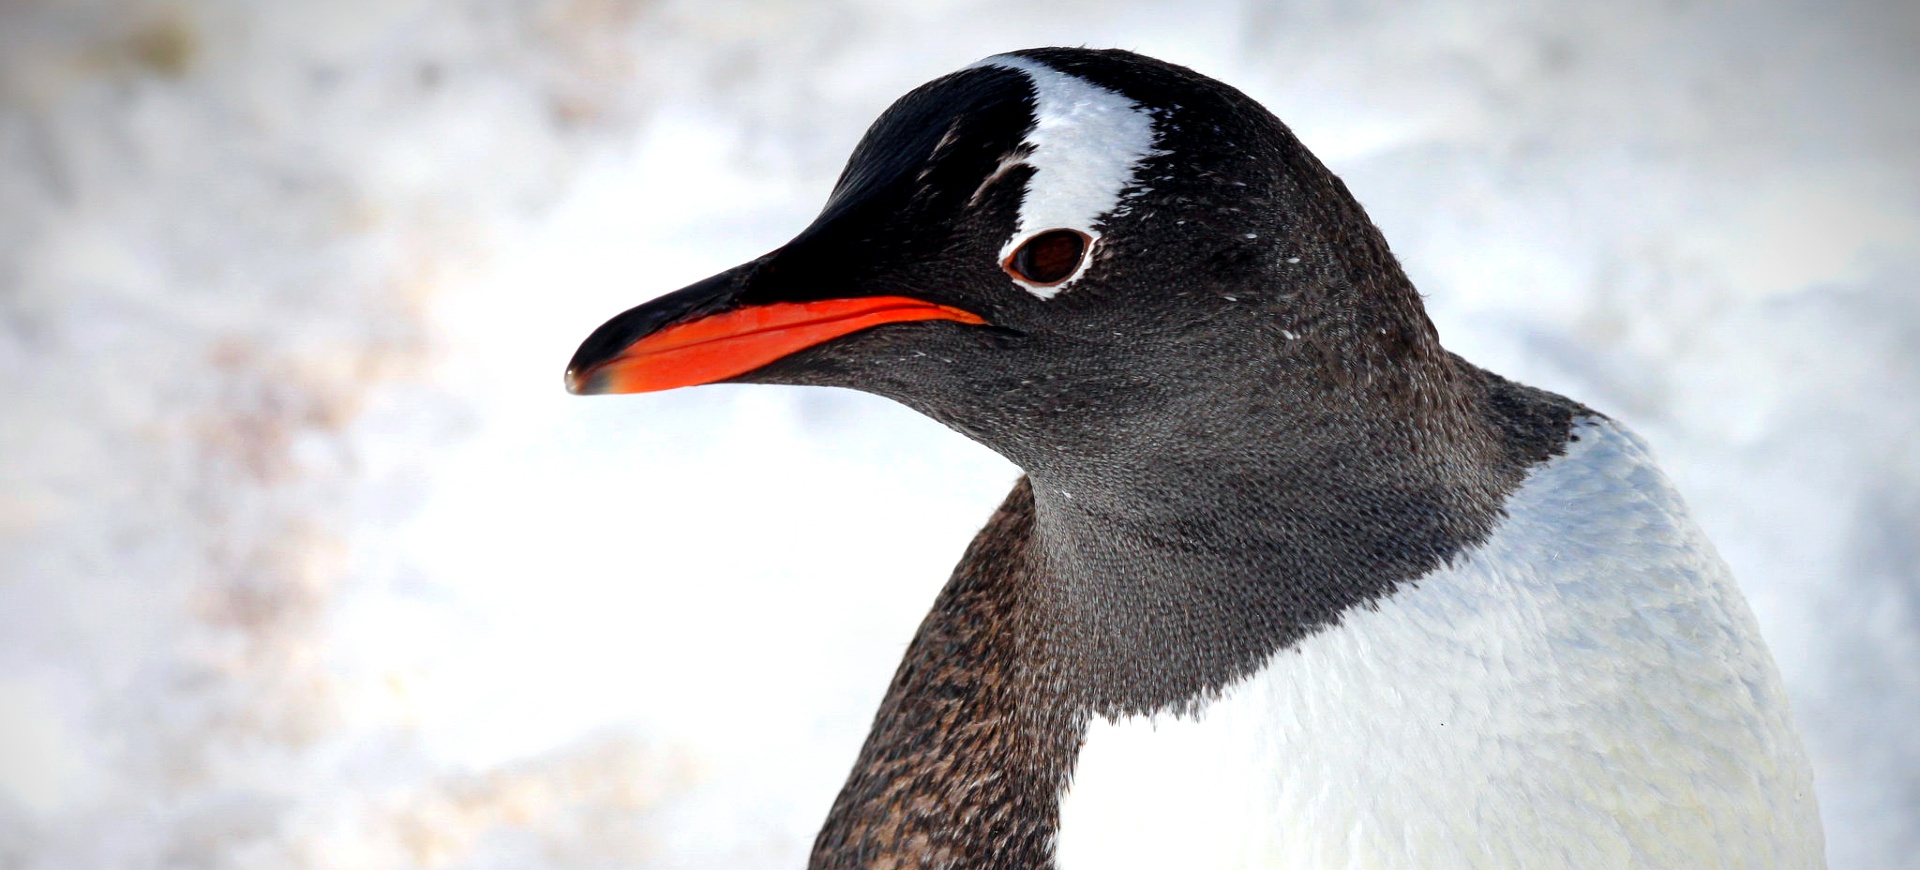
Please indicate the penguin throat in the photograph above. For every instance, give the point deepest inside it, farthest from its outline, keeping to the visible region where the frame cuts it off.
(1174, 574)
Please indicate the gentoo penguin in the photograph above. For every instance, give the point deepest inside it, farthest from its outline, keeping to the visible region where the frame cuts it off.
(1286, 584)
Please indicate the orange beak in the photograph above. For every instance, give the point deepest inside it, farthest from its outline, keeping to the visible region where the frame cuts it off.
(732, 343)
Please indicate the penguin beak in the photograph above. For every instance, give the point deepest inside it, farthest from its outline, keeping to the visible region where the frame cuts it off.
(703, 333)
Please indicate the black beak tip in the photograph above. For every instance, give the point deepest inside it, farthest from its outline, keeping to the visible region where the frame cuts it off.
(614, 337)
(585, 372)
(589, 382)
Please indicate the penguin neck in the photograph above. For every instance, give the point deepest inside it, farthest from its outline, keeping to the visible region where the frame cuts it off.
(1180, 562)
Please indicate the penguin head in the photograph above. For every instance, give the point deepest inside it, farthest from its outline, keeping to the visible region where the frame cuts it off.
(1053, 251)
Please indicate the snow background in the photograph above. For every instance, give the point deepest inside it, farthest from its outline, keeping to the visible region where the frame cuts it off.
(306, 560)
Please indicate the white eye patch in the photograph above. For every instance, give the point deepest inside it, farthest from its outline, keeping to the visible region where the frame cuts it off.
(1085, 146)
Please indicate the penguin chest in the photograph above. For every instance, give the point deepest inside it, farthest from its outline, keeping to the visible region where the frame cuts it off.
(1586, 689)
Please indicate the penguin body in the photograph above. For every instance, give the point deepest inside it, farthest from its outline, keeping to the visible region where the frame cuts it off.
(1583, 689)
(1286, 584)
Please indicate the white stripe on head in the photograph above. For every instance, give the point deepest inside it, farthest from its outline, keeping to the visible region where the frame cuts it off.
(1085, 145)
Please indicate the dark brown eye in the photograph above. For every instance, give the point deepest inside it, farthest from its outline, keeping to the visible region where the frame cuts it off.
(1048, 258)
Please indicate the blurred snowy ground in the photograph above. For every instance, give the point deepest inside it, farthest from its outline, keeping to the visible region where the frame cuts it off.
(307, 561)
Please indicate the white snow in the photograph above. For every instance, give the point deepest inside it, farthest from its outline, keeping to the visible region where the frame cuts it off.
(306, 559)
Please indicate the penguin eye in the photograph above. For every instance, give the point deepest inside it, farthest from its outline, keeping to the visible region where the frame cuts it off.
(1048, 258)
